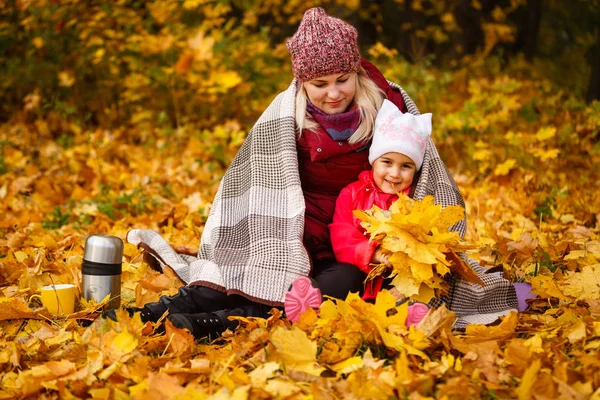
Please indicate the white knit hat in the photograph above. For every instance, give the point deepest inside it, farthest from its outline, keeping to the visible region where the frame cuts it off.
(400, 133)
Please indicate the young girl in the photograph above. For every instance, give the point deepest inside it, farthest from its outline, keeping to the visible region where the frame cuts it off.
(403, 160)
(396, 155)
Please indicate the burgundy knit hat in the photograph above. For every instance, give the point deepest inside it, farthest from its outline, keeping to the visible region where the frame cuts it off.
(323, 45)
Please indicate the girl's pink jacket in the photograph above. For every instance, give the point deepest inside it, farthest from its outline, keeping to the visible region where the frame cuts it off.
(349, 240)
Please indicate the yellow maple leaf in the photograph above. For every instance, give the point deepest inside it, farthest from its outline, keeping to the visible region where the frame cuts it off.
(340, 346)
(482, 154)
(584, 284)
(505, 167)
(529, 377)
(404, 282)
(545, 133)
(449, 216)
(544, 155)
(21, 256)
(202, 46)
(281, 388)
(389, 320)
(17, 308)
(421, 272)
(576, 332)
(545, 286)
(406, 243)
(348, 365)
(224, 80)
(481, 333)
(192, 4)
(181, 341)
(263, 372)
(66, 79)
(119, 344)
(296, 351)
(426, 293)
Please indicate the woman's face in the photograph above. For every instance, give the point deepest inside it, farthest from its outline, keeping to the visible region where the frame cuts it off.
(332, 94)
(393, 172)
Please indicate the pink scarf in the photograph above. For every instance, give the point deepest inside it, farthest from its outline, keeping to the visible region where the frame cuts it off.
(339, 126)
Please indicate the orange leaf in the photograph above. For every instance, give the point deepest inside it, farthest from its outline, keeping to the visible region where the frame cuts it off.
(180, 341)
(184, 63)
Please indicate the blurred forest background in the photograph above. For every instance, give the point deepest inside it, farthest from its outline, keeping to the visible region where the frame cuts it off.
(168, 64)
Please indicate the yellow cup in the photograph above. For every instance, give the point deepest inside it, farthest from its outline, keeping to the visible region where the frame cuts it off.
(58, 299)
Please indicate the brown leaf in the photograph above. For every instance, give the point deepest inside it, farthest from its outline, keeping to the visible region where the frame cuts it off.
(16, 308)
(437, 320)
(524, 247)
(463, 269)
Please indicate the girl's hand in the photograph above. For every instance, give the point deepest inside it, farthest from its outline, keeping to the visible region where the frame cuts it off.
(396, 293)
(381, 257)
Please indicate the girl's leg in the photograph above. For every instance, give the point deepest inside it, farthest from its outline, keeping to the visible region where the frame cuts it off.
(330, 278)
(337, 279)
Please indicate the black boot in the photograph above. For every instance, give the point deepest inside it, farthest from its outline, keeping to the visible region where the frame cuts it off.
(201, 325)
(145, 314)
(212, 325)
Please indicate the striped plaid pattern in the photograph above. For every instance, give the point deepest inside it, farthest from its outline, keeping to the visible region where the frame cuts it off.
(252, 241)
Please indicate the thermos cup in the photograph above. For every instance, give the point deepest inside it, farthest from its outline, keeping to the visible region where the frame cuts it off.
(101, 269)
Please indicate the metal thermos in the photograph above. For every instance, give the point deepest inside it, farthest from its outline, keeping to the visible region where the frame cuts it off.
(101, 269)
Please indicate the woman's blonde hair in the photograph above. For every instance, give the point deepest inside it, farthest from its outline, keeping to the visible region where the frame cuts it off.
(368, 97)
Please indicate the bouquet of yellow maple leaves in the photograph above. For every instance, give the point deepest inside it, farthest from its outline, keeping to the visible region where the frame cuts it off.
(422, 248)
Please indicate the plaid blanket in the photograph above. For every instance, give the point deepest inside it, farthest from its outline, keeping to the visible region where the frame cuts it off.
(252, 241)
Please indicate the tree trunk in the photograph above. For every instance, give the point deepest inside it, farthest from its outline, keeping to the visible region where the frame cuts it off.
(528, 29)
(593, 92)
(468, 19)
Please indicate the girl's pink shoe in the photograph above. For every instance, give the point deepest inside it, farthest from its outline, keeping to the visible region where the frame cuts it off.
(303, 293)
(416, 312)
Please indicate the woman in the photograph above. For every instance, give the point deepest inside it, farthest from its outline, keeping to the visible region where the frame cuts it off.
(268, 224)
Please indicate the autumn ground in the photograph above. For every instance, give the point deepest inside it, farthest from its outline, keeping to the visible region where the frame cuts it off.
(524, 154)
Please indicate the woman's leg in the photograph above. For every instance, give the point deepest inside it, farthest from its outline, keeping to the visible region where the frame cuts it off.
(473, 303)
(213, 324)
(191, 299)
(337, 279)
(201, 310)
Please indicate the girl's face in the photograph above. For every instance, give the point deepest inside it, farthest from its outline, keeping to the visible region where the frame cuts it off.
(393, 172)
(332, 94)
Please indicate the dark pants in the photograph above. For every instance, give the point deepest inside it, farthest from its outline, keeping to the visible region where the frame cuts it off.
(338, 279)
(334, 279)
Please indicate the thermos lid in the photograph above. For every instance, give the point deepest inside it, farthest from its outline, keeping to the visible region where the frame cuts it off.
(103, 249)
